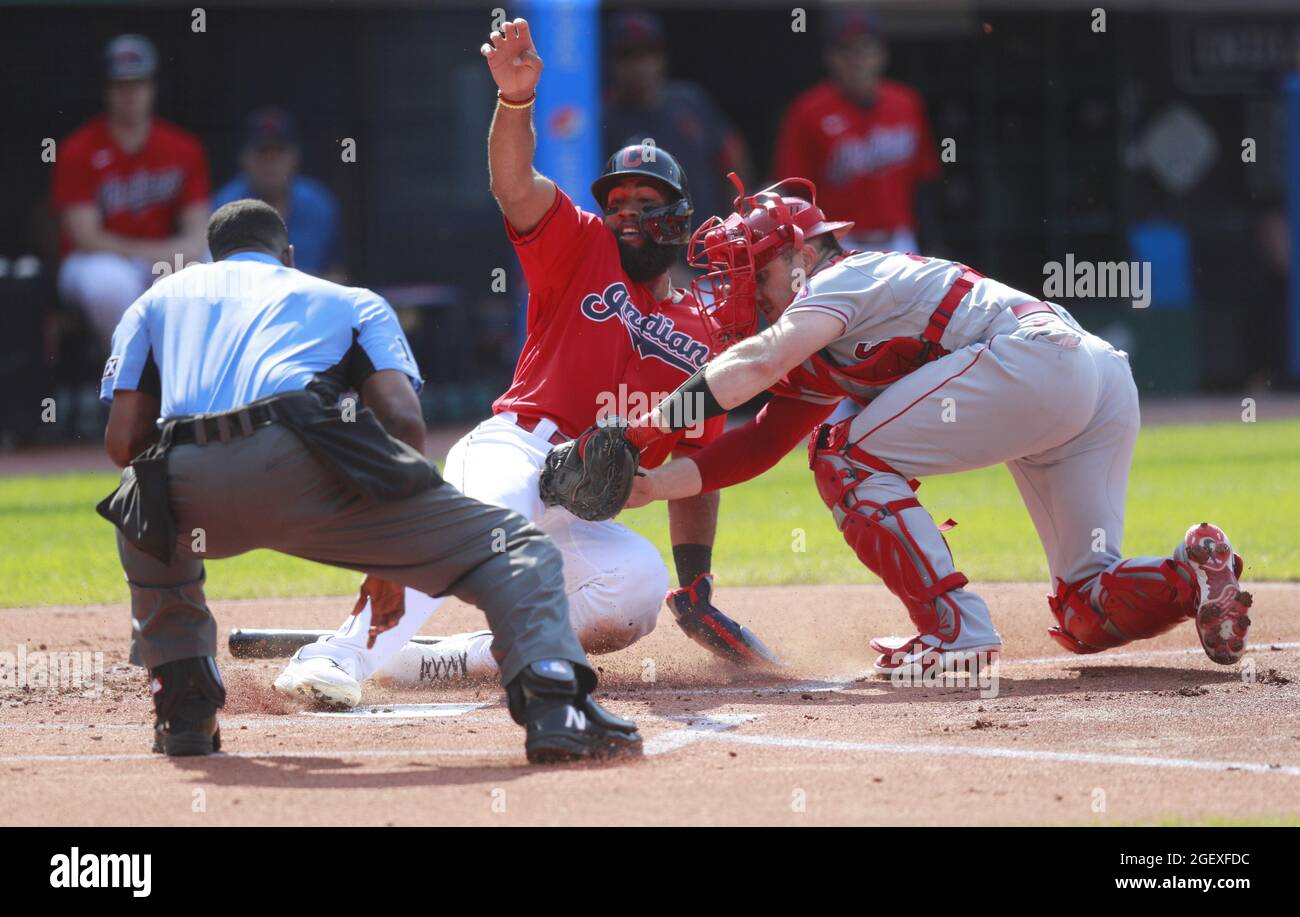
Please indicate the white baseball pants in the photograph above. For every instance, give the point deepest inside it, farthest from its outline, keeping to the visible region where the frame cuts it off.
(615, 579)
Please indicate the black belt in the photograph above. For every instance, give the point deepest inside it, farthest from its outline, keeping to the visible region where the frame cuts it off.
(223, 427)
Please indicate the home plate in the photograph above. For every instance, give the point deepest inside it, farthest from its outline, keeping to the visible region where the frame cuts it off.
(401, 711)
(697, 728)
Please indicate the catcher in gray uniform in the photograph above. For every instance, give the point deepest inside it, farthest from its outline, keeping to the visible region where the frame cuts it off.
(960, 372)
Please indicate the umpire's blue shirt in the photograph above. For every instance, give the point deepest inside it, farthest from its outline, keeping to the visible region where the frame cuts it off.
(217, 336)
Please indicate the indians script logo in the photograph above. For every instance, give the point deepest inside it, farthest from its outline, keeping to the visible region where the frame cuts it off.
(652, 335)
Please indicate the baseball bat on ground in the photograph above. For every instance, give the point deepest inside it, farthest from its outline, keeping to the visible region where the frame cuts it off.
(273, 642)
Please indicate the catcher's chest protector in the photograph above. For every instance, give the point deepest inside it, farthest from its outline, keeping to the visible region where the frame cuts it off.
(891, 534)
(888, 361)
(1133, 600)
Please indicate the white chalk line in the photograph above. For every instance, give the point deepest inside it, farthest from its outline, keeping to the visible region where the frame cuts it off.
(704, 727)
(398, 711)
(1024, 754)
(397, 714)
(1101, 658)
(337, 753)
(307, 719)
(718, 728)
(818, 686)
(696, 728)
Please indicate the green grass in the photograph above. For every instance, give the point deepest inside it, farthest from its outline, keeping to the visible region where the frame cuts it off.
(1246, 477)
(1225, 821)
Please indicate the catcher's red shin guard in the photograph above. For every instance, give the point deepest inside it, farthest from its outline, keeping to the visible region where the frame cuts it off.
(882, 539)
(1140, 598)
(1131, 601)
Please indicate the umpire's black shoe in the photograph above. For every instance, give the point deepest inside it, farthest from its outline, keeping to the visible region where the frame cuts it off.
(186, 696)
(564, 723)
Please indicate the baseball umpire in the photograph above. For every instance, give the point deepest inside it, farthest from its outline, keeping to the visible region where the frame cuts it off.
(227, 383)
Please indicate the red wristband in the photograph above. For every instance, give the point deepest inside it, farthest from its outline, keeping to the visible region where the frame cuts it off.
(642, 433)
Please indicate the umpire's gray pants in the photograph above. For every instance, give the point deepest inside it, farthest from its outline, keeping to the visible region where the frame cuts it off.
(267, 491)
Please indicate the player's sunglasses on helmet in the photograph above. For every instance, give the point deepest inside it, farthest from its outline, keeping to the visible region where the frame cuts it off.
(731, 251)
(670, 224)
(666, 225)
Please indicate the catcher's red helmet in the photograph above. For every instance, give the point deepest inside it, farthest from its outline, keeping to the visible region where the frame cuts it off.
(730, 252)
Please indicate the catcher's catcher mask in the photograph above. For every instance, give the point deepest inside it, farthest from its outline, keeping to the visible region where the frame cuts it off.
(733, 250)
(730, 252)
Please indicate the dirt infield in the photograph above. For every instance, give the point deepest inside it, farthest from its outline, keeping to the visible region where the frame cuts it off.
(1152, 734)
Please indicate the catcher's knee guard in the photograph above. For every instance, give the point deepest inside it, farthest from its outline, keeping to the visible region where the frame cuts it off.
(880, 535)
(1133, 600)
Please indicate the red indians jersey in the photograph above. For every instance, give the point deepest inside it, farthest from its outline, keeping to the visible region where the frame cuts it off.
(865, 162)
(596, 341)
(140, 195)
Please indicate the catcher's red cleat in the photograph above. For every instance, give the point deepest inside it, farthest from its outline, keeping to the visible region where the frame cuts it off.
(911, 658)
(1222, 619)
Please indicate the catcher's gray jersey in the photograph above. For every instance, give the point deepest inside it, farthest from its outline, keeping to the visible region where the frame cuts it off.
(883, 295)
(1055, 403)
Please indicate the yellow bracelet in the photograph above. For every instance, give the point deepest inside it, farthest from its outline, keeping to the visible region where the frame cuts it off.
(517, 106)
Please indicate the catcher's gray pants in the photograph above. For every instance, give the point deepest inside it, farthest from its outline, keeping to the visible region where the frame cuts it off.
(267, 491)
(1054, 403)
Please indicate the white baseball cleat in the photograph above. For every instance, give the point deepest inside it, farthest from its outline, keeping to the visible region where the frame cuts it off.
(906, 658)
(321, 679)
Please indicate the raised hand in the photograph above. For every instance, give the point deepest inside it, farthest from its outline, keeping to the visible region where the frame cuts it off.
(513, 59)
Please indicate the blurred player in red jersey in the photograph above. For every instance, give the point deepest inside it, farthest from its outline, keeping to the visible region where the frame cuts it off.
(130, 189)
(863, 140)
(606, 330)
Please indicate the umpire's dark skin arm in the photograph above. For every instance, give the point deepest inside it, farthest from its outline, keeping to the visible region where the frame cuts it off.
(391, 396)
(132, 418)
(132, 426)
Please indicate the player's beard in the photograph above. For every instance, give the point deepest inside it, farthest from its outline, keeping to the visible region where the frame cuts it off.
(646, 261)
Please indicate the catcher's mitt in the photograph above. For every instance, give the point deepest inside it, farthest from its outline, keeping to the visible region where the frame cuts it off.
(591, 476)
